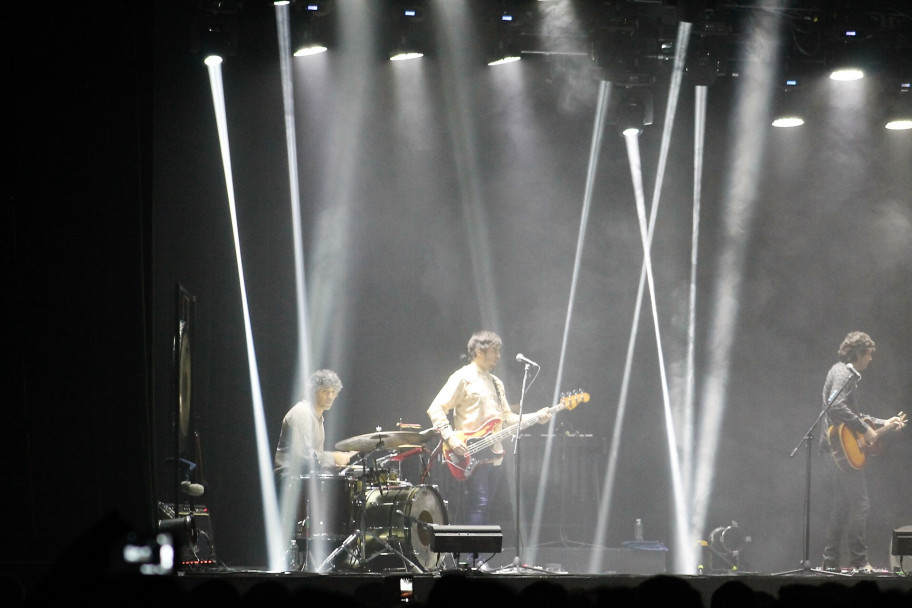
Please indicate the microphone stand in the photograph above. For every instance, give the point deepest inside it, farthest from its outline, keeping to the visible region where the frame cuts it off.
(517, 567)
(808, 441)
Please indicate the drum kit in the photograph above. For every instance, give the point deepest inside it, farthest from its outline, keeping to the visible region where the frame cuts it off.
(366, 517)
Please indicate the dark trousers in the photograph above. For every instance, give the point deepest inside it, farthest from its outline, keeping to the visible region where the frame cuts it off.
(480, 489)
(848, 515)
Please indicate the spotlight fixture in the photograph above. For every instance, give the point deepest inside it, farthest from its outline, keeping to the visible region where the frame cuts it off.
(408, 42)
(899, 113)
(847, 57)
(789, 105)
(215, 30)
(214, 41)
(702, 66)
(505, 21)
(847, 74)
(508, 53)
(309, 30)
(634, 109)
(183, 530)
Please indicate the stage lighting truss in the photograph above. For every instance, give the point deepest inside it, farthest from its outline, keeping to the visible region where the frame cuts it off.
(310, 27)
(790, 105)
(621, 54)
(409, 41)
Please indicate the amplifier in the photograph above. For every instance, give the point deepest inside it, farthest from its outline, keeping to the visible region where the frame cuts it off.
(901, 550)
(201, 552)
(902, 541)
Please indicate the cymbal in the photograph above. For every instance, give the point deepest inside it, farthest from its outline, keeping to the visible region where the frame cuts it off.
(383, 440)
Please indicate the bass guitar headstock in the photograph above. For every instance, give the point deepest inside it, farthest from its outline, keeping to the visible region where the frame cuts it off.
(571, 400)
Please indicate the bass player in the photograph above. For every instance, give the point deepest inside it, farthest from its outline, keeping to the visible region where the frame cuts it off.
(474, 396)
(848, 487)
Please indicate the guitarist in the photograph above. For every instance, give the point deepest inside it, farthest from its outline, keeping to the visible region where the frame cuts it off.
(849, 490)
(474, 395)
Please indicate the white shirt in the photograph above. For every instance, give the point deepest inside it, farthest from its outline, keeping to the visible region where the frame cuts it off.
(474, 396)
(301, 441)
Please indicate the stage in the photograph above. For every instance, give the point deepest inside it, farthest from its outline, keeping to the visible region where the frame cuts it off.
(220, 585)
(384, 589)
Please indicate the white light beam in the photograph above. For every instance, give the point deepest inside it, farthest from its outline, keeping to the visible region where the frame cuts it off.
(264, 457)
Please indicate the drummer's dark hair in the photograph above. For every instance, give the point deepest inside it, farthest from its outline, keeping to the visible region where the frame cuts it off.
(854, 345)
(325, 378)
(483, 340)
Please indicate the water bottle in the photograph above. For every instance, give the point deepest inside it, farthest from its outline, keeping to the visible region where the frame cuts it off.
(638, 530)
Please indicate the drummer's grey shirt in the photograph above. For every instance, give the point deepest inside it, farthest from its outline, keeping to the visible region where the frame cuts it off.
(301, 441)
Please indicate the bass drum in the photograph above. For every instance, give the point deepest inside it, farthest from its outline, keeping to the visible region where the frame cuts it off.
(385, 526)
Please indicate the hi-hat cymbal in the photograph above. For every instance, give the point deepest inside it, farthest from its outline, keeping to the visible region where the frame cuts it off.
(383, 440)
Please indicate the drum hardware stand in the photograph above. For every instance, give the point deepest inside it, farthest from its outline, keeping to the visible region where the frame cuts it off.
(415, 567)
(345, 546)
(430, 461)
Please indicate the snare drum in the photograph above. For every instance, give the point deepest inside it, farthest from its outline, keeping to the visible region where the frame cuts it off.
(383, 526)
(325, 506)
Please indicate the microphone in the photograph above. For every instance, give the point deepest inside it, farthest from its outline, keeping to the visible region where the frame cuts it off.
(192, 489)
(522, 359)
(854, 371)
(415, 520)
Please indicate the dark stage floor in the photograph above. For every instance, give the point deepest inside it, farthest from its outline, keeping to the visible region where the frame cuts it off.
(388, 585)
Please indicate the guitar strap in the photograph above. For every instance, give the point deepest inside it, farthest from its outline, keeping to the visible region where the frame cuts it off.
(500, 398)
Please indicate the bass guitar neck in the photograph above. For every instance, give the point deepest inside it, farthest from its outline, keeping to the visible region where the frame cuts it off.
(483, 443)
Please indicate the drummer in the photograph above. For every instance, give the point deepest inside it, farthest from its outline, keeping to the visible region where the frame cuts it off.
(301, 439)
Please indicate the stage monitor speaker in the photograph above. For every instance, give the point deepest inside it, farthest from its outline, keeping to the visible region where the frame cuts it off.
(465, 539)
(902, 541)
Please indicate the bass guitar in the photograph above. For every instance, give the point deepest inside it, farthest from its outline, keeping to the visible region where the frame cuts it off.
(482, 440)
(850, 450)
